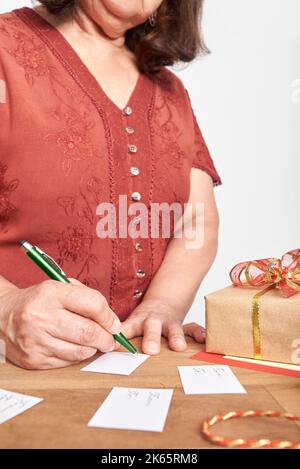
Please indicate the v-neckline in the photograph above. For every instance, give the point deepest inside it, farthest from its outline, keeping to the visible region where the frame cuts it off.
(53, 37)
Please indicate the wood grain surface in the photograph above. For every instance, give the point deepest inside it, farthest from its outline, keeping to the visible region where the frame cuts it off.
(72, 397)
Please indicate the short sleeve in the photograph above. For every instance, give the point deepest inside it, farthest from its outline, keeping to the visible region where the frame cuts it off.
(201, 157)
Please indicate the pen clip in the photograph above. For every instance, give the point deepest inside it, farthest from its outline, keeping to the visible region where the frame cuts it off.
(51, 260)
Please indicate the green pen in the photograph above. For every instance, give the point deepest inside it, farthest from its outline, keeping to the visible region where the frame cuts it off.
(52, 269)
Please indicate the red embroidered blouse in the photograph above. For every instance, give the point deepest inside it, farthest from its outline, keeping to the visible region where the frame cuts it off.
(65, 147)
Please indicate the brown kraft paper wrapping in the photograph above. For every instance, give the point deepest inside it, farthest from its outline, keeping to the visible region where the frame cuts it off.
(229, 329)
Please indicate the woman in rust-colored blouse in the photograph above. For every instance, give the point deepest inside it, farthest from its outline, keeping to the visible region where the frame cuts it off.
(94, 133)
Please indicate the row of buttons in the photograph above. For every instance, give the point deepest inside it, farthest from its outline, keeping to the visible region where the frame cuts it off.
(135, 196)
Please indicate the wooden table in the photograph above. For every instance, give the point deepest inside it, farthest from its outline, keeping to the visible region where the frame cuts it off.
(71, 398)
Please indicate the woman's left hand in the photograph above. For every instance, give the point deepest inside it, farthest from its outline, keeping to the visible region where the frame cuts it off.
(153, 319)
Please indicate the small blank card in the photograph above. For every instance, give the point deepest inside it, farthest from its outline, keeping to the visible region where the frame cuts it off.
(116, 363)
(134, 409)
(13, 404)
(211, 379)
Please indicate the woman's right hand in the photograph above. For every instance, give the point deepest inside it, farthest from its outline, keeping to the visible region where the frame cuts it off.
(53, 324)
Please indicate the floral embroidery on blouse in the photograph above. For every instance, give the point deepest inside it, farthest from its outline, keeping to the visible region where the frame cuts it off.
(67, 203)
(167, 144)
(3, 29)
(6, 190)
(75, 244)
(168, 132)
(95, 187)
(73, 144)
(6, 24)
(72, 139)
(29, 54)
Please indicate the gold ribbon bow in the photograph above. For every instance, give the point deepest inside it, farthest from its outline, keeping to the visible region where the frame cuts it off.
(283, 274)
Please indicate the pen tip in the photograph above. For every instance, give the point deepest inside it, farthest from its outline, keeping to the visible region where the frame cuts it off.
(22, 242)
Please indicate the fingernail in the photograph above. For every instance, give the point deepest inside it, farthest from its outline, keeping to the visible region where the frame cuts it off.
(90, 352)
(180, 342)
(152, 347)
(110, 349)
(116, 326)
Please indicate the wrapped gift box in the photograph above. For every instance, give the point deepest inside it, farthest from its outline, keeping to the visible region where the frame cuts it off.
(230, 328)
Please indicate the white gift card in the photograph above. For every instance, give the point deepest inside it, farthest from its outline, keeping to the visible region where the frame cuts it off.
(211, 379)
(13, 404)
(116, 363)
(134, 409)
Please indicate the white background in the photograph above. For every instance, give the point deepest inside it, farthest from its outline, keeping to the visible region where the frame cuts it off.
(246, 95)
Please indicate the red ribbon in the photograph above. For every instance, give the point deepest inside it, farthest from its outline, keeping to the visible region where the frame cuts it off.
(283, 273)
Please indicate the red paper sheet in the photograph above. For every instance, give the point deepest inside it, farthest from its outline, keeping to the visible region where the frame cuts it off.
(215, 358)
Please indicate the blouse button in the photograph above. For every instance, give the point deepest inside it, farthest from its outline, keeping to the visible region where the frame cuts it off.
(136, 196)
(132, 149)
(140, 273)
(130, 130)
(127, 111)
(138, 247)
(136, 220)
(134, 171)
(137, 294)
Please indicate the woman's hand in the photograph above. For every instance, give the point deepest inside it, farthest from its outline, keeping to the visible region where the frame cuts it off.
(152, 319)
(52, 324)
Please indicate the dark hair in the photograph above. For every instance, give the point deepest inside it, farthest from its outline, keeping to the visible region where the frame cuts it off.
(175, 37)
